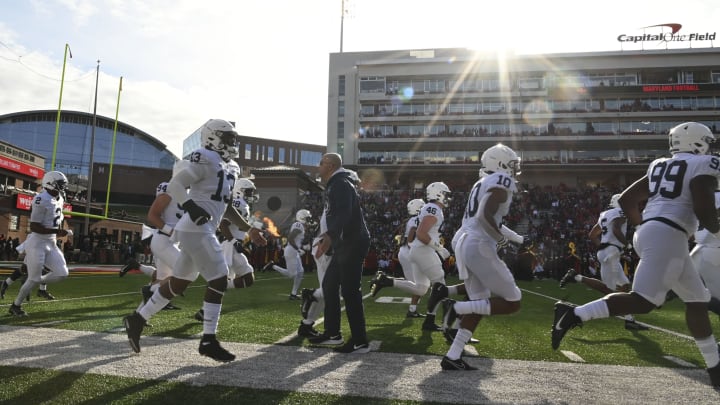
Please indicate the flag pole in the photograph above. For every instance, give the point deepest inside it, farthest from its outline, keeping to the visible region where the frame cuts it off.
(57, 121)
(112, 150)
(92, 147)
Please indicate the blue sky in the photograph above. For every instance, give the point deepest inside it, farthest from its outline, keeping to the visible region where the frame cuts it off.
(264, 64)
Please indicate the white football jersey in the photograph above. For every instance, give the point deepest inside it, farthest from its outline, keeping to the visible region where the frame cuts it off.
(47, 211)
(297, 226)
(434, 210)
(476, 202)
(411, 223)
(243, 208)
(173, 212)
(213, 189)
(605, 221)
(703, 237)
(669, 186)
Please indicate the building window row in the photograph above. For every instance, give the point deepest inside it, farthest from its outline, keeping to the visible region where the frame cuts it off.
(273, 154)
(527, 129)
(624, 156)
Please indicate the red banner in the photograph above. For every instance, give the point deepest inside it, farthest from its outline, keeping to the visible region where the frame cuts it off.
(19, 167)
(24, 201)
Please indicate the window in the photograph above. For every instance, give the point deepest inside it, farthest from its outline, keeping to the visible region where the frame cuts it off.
(341, 108)
(270, 153)
(340, 130)
(341, 85)
(248, 152)
(281, 155)
(14, 223)
(310, 158)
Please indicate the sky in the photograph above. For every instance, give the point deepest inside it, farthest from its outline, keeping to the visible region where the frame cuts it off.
(264, 64)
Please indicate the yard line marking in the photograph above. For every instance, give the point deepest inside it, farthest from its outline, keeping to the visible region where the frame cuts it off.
(680, 362)
(574, 357)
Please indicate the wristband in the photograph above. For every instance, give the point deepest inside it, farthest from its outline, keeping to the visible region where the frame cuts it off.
(167, 229)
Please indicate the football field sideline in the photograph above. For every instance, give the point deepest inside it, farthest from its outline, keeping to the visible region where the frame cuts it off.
(372, 375)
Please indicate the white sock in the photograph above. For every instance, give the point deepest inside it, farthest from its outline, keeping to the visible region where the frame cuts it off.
(147, 270)
(211, 318)
(709, 350)
(412, 308)
(593, 310)
(153, 306)
(480, 307)
(463, 336)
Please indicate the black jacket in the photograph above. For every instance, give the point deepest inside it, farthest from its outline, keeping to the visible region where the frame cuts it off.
(343, 214)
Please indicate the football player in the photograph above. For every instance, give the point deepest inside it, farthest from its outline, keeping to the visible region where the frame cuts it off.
(42, 251)
(608, 234)
(425, 254)
(706, 258)
(209, 173)
(680, 196)
(293, 252)
(489, 284)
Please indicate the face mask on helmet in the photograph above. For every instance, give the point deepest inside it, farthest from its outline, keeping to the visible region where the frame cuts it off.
(691, 137)
(615, 201)
(54, 181)
(439, 192)
(305, 217)
(245, 189)
(500, 158)
(414, 206)
(220, 136)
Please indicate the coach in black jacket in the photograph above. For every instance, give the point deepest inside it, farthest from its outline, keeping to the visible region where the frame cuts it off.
(348, 240)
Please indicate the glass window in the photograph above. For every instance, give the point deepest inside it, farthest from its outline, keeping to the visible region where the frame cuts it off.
(341, 130)
(310, 158)
(271, 153)
(14, 223)
(248, 151)
(281, 155)
(341, 108)
(341, 85)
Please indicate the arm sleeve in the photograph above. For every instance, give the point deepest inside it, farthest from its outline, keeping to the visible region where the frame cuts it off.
(181, 181)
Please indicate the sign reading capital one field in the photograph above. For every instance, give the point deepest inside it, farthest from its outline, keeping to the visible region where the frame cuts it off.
(666, 33)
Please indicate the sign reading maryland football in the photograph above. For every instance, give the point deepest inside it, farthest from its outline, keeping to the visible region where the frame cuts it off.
(666, 33)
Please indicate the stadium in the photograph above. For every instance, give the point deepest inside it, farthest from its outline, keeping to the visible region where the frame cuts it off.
(586, 125)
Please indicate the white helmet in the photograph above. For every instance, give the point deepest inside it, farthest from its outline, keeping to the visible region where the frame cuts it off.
(304, 216)
(439, 192)
(54, 180)
(614, 201)
(500, 158)
(246, 189)
(414, 206)
(161, 188)
(220, 136)
(691, 137)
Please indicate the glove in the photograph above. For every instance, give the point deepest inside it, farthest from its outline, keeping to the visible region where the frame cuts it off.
(511, 235)
(238, 246)
(441, 250)
(197, 214)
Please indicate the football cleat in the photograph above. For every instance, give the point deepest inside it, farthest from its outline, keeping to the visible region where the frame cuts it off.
(134, 325)
(429, 324)
(455, 365)
(565, 319)
(633, 325)
(294, 297)
(325, 339)
(16, 310)
(352, 347)
(438, 292)
(169, 307)
(714, 373)
(307, 331)
(132, 264)
(267, 267)
(45, 294)
(3, 288)
(450, 314)
(569, 277)
(378, 282)
(200, 315)
(307, 299)
(414, 314)
(210, 347)
(450, 334)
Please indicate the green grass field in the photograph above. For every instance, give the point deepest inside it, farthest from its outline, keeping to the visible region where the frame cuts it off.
(263, 314)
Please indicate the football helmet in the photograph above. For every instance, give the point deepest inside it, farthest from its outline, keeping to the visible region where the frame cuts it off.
(438, 191)
(245, 188)
(305, 217)
(414, 206)
(614, 201)
(691, 137)
(55, 181)
(500, 158)
(220, 136)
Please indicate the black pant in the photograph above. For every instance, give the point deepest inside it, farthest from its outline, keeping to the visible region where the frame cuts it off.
(344, 275)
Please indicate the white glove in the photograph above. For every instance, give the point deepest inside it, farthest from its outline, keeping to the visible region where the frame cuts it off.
(69, 233)
(441, 250)
(511, 235)
(306, 247)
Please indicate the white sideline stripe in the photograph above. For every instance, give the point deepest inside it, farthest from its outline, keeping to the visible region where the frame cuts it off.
(670, 332)
(679, 362)
(572, 356)
(49, 323)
